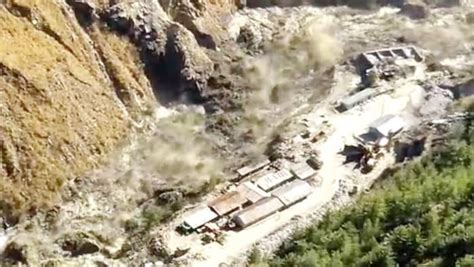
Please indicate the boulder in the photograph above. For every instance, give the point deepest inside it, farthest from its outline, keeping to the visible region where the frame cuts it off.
(170, 197)
(21, 250)
(415, 9)
(156, 248)
(79, 244)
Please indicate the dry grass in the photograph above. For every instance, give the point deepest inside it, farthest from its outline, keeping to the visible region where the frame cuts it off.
(60, 24)
(58, 119)
(123, 65)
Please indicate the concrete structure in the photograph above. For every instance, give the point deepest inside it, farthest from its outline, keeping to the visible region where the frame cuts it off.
(303, 171)
(293, 192)
(370, 59)
(227, 203)
(272, 180)
(198, 218)
(251, 192)
(387, 126)
(356, 99)
(246, 170)
(257, 212)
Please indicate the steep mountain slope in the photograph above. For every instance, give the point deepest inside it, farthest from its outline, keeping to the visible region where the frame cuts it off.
(75, 81)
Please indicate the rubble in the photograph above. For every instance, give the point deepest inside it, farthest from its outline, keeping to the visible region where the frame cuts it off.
(437, 100)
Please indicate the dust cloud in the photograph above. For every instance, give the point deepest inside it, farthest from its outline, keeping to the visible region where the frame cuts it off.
(444, 41)
(177, 157)
(272, 77)
(179, 153)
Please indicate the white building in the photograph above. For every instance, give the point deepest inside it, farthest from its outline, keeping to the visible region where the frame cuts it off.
(303, 171)
(293, 192)
(198, 218)
(273, 180)
(258, 211)
(387, 126)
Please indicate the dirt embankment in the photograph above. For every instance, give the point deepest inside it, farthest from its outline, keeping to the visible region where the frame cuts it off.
(77, 75)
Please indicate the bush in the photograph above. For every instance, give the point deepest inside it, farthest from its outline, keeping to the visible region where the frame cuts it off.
(155, 215)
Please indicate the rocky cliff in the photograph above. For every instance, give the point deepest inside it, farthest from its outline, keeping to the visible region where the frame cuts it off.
(77, 75)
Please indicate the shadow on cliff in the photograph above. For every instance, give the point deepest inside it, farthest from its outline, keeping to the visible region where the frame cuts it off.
(164, 74)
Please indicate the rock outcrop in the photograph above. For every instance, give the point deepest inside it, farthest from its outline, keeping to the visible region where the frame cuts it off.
(76, 74)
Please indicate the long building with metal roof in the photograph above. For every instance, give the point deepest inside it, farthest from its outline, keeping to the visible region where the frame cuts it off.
(272, 180)
(387, 125)
(258, 211)
(293, 192)
(357, 98)
(198, 218)
(303, 171)
(249, 169)
(251, 192)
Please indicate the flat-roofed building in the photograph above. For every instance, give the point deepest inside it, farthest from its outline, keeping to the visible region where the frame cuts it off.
(273, 180)
(293, 192)
(369, 59)
(387, 126)
(257, 211)
(303, 171)
(251, 192)
(249, 169)
(198, 218)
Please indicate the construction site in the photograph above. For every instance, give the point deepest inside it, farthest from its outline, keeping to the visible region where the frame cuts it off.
(264, 117)
(352, 142)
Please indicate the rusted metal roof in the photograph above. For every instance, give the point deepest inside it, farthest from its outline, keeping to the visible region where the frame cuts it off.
(293, 192)
(258, 211)
(269, 181)
(252, 192)
(303, 170)
(199, 217)
(228, 202)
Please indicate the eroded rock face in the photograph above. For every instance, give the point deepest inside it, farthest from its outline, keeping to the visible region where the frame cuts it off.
(70, 86)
